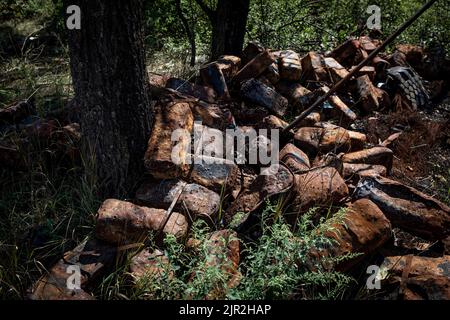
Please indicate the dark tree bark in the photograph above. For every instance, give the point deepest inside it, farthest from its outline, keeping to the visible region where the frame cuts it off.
(228, 22)
(110, 83)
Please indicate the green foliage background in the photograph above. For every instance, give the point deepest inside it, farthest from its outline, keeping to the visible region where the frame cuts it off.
(307, 24)
(297, 24)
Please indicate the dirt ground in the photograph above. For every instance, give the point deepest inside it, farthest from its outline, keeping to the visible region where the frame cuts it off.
(422, 152)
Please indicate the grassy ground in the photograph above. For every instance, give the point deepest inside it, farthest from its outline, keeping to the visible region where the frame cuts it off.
(46, 207)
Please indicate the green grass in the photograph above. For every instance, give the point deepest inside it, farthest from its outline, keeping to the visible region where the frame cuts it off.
(47, 80)
(272, 267)
(278, 264)
(45, 210)
(47, 206)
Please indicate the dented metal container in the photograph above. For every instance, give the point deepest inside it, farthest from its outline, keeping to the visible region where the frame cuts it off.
(214, 176)
(364, 230)
(414, 277)
(406, 207)
(255, 67)
(313, 69)
(229, 65)
(191, 89)
(213, 115)
(121, 222)
(294, 158)
(158, 157)
(213, 77)
(297, 95)
(262, 188)
(191, 199)
(290, 65)
(260, 94)
(92, 257)
(335, 70)
(320, 187)
(376, 155)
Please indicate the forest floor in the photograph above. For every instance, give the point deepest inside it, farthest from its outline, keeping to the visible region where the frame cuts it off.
(422, 152)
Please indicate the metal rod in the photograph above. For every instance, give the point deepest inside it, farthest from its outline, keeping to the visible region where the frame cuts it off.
(322, 99)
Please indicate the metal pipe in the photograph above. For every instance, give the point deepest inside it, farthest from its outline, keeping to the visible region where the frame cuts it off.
(322, 99)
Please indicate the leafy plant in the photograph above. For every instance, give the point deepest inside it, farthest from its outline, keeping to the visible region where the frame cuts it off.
(277, 266)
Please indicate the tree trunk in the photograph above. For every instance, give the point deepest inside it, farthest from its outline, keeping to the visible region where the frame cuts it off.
(228, 26)
(110, 83)
(190, 34)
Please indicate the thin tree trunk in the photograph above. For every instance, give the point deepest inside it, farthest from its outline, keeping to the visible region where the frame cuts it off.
(190, 34)
(110, 83)
(228, 22)
(229, 27)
